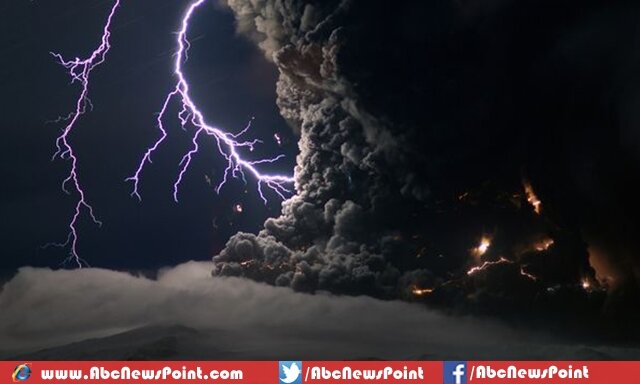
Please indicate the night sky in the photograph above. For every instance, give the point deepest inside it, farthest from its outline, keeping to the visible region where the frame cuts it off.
(472, 162)
(127, 92)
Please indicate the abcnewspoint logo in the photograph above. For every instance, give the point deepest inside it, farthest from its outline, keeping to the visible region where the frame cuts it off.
(21, 373)
(455, 372)
(290, 372)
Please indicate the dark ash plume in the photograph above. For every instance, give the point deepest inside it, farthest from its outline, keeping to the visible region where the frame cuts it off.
(417, 124)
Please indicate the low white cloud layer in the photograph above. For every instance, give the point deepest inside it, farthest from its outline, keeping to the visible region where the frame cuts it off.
(42, 308)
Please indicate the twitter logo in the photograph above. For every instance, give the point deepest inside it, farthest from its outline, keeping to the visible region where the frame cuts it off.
(290, 372)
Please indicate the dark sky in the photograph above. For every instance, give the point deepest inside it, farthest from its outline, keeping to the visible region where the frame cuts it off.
(230, 80)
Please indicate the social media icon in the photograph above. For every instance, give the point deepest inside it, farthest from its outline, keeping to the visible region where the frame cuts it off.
(290, 372)
(455, 372)
(21, 373)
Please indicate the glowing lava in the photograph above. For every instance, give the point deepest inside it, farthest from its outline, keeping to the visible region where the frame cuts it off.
(227, 144)
(80, 71)
(543, 244)
(482, 248)
(527, 274)
(420, 291)
(488, 264)
(532, 198)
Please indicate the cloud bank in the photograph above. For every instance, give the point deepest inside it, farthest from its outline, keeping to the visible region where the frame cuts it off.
(44, 308)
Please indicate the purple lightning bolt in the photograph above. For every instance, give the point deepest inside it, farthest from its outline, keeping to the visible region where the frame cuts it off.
(228, 144)
(79, 70)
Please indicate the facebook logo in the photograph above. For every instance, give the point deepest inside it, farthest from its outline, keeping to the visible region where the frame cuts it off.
(455, 372)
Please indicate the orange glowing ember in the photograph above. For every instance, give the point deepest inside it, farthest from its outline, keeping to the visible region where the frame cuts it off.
(586, 284)
(420, 291)
(527, 274)
(481, 249)
(487, 264)
(532, 198)
(543, 244)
